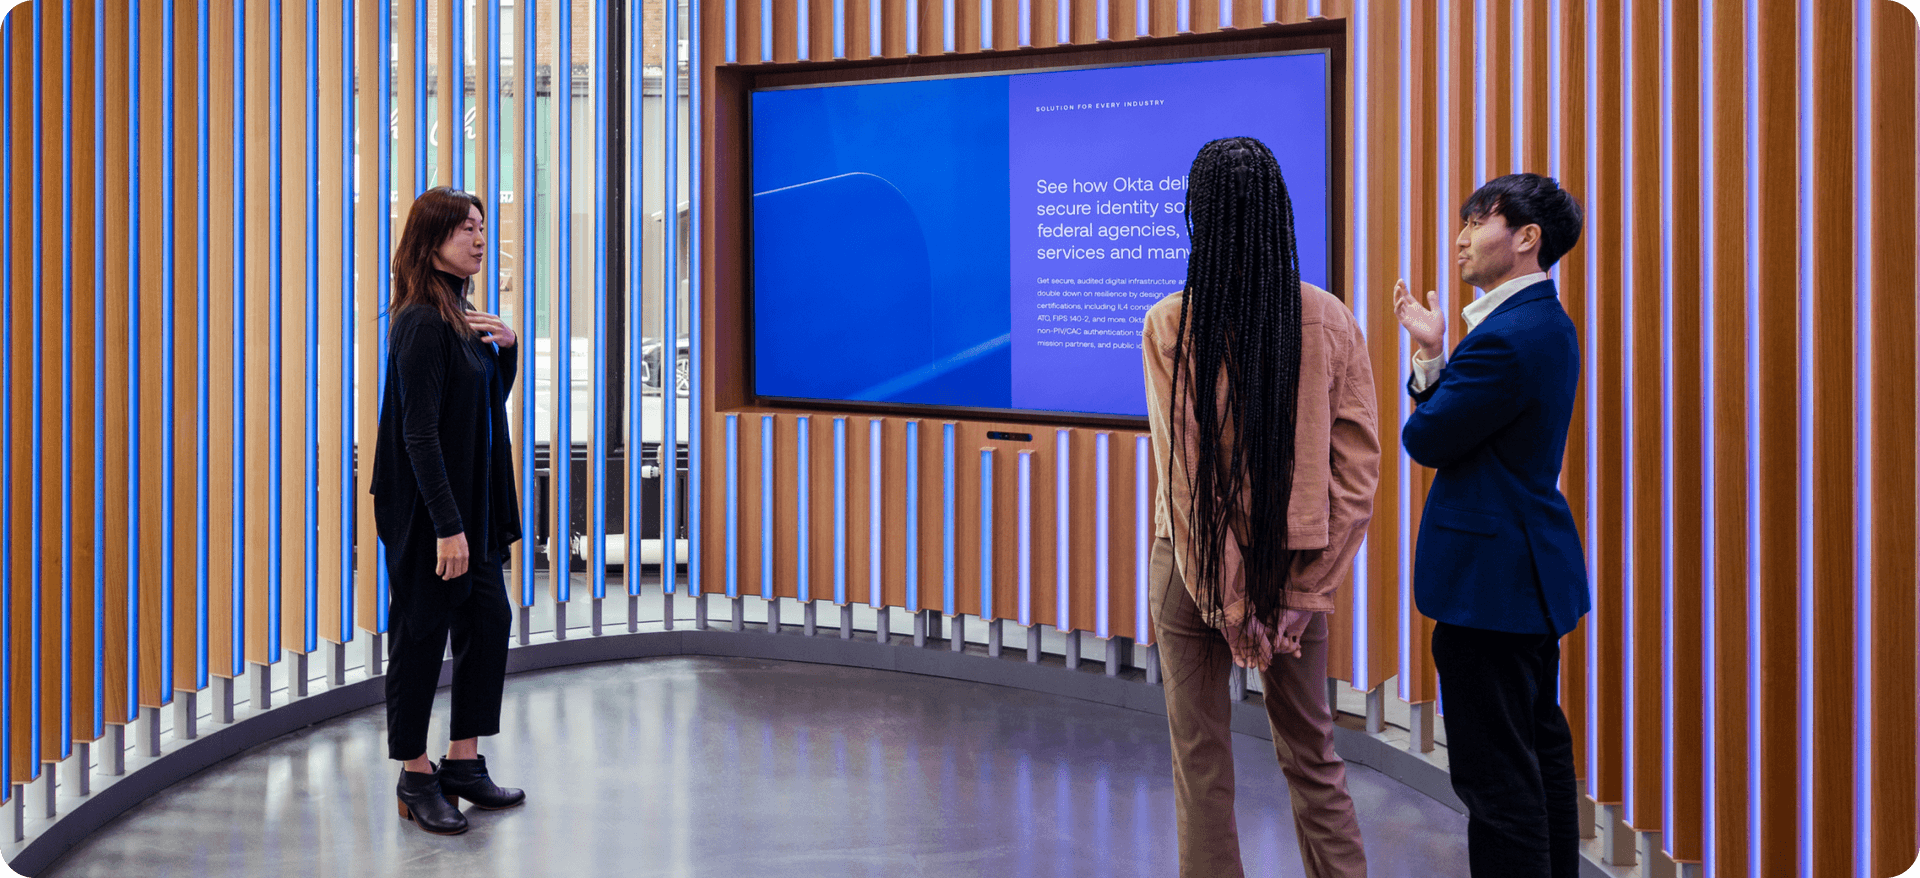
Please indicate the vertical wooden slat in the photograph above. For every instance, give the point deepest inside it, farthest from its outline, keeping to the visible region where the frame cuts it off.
(1496, 118)
(859, 512)
(931, 15)
(751, 546)
(819, 509)
(1006, 23)
(185, 395)
(369, 210)
(929, 516)
(1731, 799)
(966, 25)
(819, 30)
(1773, 261)
(483, 87)
(786, 31)
(1043, 23)
(335, 206)
(1080, 532)
(1570, 167)
(81, 431)
(1608, 578)
(120, 443)
(223, 465)
(893, 524)
(147, 469)
(516, 243)
(857, 21)
(747, 36)
(1831, 630)
(1686, 764)
(1203, 16)
(261, 333)
(1379, 605)
(411, 41)
(1044, 569)
(893, 28)
(1894, 510)
(47, 243)
(786, 484)
(20, 692)
(298, 192)
(1121, 23)
(967, 439)
(1642, 439)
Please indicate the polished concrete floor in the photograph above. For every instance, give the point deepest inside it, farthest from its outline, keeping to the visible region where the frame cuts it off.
(706, 766)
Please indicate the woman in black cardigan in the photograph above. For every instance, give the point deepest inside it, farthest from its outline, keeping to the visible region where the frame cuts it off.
(444, 506)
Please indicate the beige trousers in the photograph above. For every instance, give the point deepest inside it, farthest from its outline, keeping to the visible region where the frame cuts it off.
(1195, 662)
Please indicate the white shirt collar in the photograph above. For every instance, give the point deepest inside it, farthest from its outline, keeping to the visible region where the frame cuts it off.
(1478, 309)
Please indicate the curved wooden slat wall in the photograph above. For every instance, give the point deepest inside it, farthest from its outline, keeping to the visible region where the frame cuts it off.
(1743, 694)
(179, 201)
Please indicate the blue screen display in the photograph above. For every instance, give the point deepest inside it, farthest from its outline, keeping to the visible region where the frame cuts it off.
(993, 242)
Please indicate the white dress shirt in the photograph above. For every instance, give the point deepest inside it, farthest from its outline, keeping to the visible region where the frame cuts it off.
(1426, 371)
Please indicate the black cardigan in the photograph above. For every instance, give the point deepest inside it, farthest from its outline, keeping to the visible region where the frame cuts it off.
(442, 464)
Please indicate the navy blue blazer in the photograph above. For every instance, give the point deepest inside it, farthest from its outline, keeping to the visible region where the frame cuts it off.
(1498, 549)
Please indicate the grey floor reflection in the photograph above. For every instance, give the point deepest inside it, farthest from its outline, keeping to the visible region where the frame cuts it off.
(707, 766)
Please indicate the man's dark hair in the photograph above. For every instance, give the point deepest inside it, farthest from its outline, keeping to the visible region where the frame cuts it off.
(1529, 199)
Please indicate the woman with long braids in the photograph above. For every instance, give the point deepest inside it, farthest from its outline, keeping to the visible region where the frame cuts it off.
(444, 506)
(1260, 402)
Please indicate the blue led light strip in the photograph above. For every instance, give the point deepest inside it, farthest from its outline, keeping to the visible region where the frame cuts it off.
(237, 550)
(766, 507)
(986, 534)
(66, 381)
(1062, 533)
(947, 500)
(310, 358)
(839, 511)
(457, 93)
(6, 412)
(912, 523)
(1025, 516)
(1142, 536)
(636, 304)
(350, 192)
(560, 315)
(1863, 459)
(802, 520)
(602, 222)
(383, 266)
(36, 260)
(203, 350)
(99, 376)
(696, 490)
(874, 512)
(1101, 525)
(134, 263)
(167, 334)
(670, 307)
(276, 280)
(733, 506)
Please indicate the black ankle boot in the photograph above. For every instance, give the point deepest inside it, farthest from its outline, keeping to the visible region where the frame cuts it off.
(423, 802)
(467, 779)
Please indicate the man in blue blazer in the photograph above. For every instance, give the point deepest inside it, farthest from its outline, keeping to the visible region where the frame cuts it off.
(1499, 564)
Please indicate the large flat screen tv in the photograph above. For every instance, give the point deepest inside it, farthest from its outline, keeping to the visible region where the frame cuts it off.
(991, 243)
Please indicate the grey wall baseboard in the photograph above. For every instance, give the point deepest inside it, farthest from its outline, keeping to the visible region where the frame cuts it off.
(79, 817)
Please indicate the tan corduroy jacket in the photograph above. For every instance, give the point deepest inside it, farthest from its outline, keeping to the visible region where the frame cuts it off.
(1336, 457)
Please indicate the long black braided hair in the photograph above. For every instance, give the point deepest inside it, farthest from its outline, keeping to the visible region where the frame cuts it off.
(1241, 314)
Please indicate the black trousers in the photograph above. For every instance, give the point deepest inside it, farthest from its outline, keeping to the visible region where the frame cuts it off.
(1509, 751)
(424, 611)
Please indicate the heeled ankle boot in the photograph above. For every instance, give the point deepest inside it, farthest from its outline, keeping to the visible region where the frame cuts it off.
(467, 779)
(423, 802)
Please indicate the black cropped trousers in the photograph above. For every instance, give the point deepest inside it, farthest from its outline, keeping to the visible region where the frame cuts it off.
(426, 611)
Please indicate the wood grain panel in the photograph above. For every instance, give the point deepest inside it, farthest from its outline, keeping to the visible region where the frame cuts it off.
(1776, 270)
(819, 510)
(1496, 72)
(1083, 21)
(185, 395)
(1643, 323)
(1894, 512)
(298, 190)
(1082, 471)
(47, 249)
(1203, 16)
(1608, 579)
(752, 548)
(1571, 277)
(1044, 572)
(786, 30)
(966, 24)
(18, 31)
(364, 395)
(255, 290)
(147, 475)
(1536, 95)
(411, 41)
(1392, 351)
(121, 444)
(484, 89)
(83, 242)
(1832, 504)
(860, 511)
(893, 502)
(967, 440)
(1122, 534)
(1730, 797)
(933, 27)
(747, 35)
(786, 530)
(820, 30)
(859, 25)
(1163, 17)
(336, 205)
(1043, 23)
(516, 235)
(1006, 22)
(928, 519)
(223, 379)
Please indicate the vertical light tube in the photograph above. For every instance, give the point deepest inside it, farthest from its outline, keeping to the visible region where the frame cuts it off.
(277, 349)
(1026, 538)
(1102, 505)
(1479, 91)
(730, 19)
(874, 512)
(802, 29)
(913, 516)
(1141, 18)
(527, 183)
(66, 380)
(1863, 457)
(1062, 532)
(766, 507)
(1667, 377)
(635, 168)
(560, 312)
(986, 534)
(840, 511)
(203, 353)
(494, 177)
(456, 91)
(946, 9)
(6, 412)
(423, 118)
(1363, 54)
(1756, 797)
(802, 522)
(99, 375)
(670, 302)
(134, 263)
(947, 500)
(1804, 384)
(766, 30)
(839, 27)
(1143, 537)
(913, 26)
(603, 232)
(696, 427)
(383, 260)
(350, 195)
(310, 358)
(1709, 429)
(732, 508)
(37, 265)
(873, 26)
(237, 553)
(1403, 466)
(167, 267)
